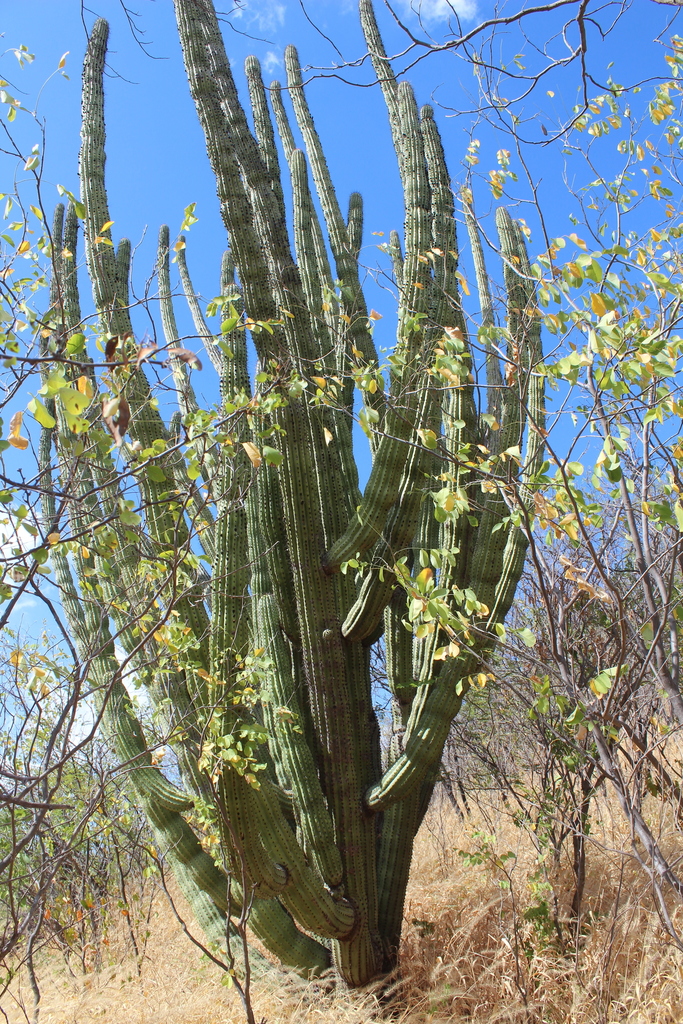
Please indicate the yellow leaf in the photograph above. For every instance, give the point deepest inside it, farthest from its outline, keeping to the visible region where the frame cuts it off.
(598, 304)
(62, 60)
(53, 538)
(253, 453)
(463, 282)
(577, 241)
(105, 227)
(85, 387)
(424, 577)
(374, 315)
(320, 381)
(23, 246)
(328, 435)
(15, 438)
(16, 658)
(345, 317)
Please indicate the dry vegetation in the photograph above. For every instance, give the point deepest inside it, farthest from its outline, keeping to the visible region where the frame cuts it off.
(479, 945)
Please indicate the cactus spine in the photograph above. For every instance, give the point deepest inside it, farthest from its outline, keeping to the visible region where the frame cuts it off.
(322, 832)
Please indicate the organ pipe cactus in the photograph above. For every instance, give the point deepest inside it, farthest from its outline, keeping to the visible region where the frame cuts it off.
(259, 665)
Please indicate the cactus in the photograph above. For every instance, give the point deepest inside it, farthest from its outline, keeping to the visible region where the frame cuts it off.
(266, 698)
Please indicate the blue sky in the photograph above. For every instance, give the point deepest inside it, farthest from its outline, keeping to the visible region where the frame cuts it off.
(156, 158)
(157, 165)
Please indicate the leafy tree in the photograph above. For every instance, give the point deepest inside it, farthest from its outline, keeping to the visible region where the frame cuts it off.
(259, 668)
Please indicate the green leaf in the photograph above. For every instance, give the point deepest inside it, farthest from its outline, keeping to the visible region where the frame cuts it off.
(678, 512)
(43, 417)
(577, 716)
(129, 518)
(272, 456)
(527, 637)
(75, 344)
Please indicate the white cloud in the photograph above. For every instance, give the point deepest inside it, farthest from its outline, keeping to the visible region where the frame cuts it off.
(270, 62)
(441, 10)
(260, 14)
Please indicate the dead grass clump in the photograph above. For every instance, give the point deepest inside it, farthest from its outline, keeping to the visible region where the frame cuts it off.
(488, 938)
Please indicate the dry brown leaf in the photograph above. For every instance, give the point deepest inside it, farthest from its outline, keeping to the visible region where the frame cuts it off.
(110, 348)
(116, 416)
(145, 353)
(186, 356)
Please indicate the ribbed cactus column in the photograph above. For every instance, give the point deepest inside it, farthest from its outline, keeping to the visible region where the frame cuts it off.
(284, 759)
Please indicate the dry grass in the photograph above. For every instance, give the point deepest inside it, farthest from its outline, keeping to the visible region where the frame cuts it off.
(469, 952)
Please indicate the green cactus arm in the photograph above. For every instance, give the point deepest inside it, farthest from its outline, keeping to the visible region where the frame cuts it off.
(495, 567)
(432, 712)
(206, 454)
(305, 897)
(298, 765)
(431, 535)
(400, 818)
(307, 253)
(165, 526)
(123, 258)
(202, 883)
(68, 273)
(494, 550)
(323, 271)
(57, 300)
(446, 307)
(524, 324)
(353, 301)
(396, 254)
(383, 70)
(393, 471)
(260, 834)
(99, 477)
(263, 128)
(194, 868)
(235, 373)
(187, 400)
(295, 762)
(230, 577)
(354, 223)
(458, 412)
(306, 232)
(204, 58)
(494, 376)
(100, 256)
(377, 587)
(200, 325)
(275, 928)
(399, 827)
